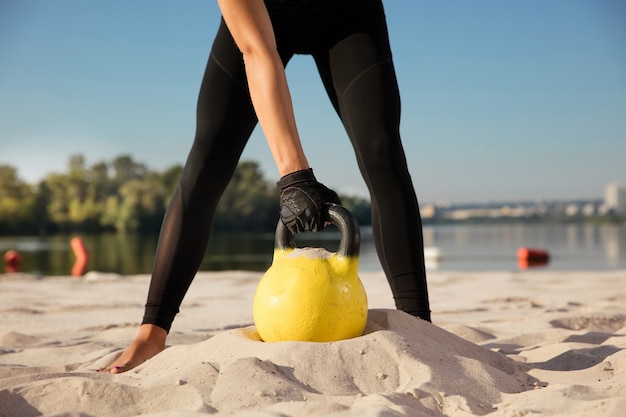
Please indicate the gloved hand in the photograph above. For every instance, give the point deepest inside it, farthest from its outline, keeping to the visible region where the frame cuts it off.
(301, 201)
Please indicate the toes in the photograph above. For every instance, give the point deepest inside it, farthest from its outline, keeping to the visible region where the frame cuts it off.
(118, 369)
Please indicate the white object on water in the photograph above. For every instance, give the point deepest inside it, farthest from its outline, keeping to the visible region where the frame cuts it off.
(432, 258)
(432, 254)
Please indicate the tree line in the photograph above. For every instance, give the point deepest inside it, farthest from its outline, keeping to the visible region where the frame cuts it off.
(124, 195)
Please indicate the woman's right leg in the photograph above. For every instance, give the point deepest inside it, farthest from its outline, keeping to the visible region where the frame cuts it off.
(225, 120)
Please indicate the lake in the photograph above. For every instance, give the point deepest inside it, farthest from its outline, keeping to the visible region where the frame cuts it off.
(462, 248)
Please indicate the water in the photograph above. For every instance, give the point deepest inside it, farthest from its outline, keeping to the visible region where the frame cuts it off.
(494, 247)
(463, 248)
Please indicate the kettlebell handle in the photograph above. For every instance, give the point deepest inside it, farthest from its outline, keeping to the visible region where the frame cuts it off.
(350, 243)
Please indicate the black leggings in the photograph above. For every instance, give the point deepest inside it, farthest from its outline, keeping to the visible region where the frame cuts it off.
(349, 43)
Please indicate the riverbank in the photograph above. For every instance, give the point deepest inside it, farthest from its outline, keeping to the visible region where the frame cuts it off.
(504, 344)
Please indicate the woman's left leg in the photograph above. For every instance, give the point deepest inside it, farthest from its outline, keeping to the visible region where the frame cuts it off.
(359, 76)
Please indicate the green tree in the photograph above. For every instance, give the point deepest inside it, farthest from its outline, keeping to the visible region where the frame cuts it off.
(54, 188)
(110, 218)
(126, 169)
(360, 208)
(140, 205)
(83, 206)
(17, 201)
(133, 198)
(74, 200)
(169, 178)
(249, 202)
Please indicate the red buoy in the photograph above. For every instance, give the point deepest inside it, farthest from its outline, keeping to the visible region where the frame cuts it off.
(82, 256)
(12, 261)
(531, 257)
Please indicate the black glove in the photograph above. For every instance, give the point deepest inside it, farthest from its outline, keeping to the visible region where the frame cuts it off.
(301, 201)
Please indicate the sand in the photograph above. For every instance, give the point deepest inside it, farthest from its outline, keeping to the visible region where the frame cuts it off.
(505, 344)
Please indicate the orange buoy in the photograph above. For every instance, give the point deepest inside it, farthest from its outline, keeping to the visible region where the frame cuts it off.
(12, 261)
(531, 257)
(82, 256)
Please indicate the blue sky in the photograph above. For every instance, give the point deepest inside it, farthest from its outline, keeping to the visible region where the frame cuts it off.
(501, 99)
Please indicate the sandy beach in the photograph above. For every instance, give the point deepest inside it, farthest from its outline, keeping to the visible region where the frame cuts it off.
(505, 344)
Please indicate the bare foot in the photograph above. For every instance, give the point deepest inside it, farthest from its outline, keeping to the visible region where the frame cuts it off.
(149, 342)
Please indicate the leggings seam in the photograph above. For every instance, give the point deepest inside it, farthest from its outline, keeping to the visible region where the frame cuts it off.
(365, 173)
(228, 73)
(362, 73)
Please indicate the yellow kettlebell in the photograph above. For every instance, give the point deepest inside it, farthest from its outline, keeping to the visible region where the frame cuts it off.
(310, 294)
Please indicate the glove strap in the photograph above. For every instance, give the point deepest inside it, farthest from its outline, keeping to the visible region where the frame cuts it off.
(296, 177)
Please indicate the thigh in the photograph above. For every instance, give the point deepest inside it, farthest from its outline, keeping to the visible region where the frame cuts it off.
(359, 77)
(369, 108)
(225, 117)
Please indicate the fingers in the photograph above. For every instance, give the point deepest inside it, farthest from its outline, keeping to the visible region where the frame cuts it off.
(313, 221)
(306, 221)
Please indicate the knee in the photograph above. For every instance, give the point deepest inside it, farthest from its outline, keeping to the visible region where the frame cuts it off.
(382, 156)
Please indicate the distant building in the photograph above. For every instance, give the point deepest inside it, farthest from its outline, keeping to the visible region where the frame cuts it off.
(615, 198)
(571, 209)
(589, 209)
(428, 211)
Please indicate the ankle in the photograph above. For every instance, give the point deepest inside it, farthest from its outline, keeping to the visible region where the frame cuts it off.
(151, 333)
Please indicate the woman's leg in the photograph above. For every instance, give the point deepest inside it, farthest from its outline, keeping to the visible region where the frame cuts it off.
(225, 120)
(359, 76)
